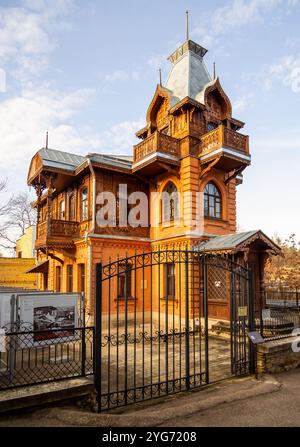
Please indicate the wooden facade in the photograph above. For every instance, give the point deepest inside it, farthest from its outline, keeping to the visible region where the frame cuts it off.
(189, 143)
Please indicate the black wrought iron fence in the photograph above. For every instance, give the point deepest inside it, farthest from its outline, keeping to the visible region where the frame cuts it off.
(281, 314)
(30, 356)
(282, 298)
(274, 323)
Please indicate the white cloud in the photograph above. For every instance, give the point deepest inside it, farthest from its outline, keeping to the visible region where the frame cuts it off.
(25, 119)
(122, 75)
(26, 39)
(286, 70)
(237, 14)
(242, 102)
(26, 36)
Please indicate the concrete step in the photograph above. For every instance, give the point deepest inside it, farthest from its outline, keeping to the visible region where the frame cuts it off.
(46, 393)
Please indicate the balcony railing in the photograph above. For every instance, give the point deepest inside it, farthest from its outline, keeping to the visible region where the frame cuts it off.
(157, 142)
(55, 228)
(226, 138)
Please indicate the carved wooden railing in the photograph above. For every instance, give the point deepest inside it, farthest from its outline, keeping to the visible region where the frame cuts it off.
(64, 228)
(41, 231)
(157, 142)
(224, 137)
(56, 228)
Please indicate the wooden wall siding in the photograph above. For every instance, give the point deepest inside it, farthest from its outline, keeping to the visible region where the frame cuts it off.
(12, 273)
(110, 182)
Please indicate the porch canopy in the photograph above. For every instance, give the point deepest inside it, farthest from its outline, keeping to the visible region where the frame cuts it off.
(239, 242)
(42, 267)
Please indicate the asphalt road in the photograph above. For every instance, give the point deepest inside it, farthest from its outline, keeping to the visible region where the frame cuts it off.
(275, 401)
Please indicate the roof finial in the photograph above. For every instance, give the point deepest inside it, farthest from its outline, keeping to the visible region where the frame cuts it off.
(160, 83)
(187, 25)
(214, 70)
(47, 139)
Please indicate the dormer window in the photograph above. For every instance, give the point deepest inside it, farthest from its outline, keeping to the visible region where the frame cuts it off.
(212, 201)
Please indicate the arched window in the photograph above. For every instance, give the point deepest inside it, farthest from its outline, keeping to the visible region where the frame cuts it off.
(84, 214)
(170, 199)
(212, 201)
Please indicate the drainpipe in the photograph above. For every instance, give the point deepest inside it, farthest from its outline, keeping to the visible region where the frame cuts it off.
(88, 233)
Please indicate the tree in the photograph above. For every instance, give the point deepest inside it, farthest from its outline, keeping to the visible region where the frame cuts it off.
(16, 215)
(285, 270)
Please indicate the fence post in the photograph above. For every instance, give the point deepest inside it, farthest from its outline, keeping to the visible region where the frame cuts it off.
(251, 323)
(83, 338)
(187, 335)
(205, 309)
(98, 332)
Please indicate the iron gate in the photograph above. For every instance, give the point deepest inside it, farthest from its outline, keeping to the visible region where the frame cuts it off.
(154, 320)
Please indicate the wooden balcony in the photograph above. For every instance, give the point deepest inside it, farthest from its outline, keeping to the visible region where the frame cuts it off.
(227, 148)
(152, 155)
(56, 233)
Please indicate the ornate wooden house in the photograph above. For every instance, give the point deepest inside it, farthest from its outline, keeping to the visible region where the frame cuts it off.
(191, 144)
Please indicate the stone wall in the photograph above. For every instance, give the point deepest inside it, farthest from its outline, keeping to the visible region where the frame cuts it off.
(276, 356)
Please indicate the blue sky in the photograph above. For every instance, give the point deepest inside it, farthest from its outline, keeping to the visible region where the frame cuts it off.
(87, 70)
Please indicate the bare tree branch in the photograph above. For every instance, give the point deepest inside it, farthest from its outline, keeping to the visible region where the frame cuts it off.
(16, 215)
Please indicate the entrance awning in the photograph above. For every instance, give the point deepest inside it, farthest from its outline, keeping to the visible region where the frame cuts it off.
(239, 241)
(42, 267)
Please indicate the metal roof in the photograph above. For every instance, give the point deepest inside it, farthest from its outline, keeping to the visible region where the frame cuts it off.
(59, 159)
(53, 158)
(189, 75)
(120, 161)
(226, 242)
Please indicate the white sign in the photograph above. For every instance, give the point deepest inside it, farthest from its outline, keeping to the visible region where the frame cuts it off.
(5, 309)
(47, 314)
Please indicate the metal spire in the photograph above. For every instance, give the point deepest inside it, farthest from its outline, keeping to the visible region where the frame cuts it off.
(214, 70)
(47, 139)
(160, 83)
(187, 25)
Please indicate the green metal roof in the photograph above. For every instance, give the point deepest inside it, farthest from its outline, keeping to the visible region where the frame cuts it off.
(53, 158)
(59, 159)
(232, 241)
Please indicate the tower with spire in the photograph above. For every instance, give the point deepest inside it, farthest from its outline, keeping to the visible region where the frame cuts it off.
(191, 139)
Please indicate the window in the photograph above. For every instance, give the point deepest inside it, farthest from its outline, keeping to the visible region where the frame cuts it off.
(58, 278)
(19, 254)
(84, 204)
(212, 201)
(61, 210)
(81, 277)
(170, 281)
(69, 278)
(170, 203)
(124, 282)
(72, 213)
